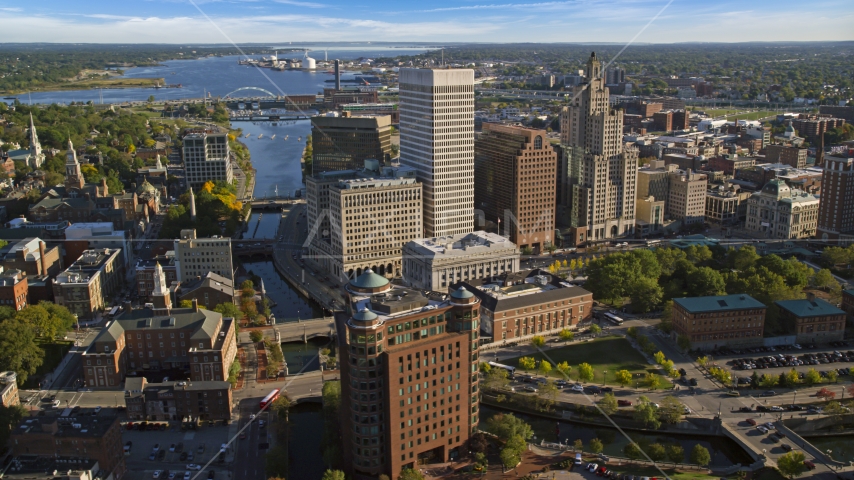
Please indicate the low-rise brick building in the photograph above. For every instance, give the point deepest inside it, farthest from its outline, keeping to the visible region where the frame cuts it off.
(84, 434)
(13, 289)
(172, 401)
(523, 304)
(717, 321)
(813, 320)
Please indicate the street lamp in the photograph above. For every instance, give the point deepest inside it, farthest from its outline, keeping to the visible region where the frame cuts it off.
(603, 377)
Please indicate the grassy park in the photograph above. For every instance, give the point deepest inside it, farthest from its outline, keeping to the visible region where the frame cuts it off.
(607, 354)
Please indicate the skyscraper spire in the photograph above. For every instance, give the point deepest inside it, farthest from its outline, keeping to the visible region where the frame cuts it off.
(160, 295)
(159, 165)
(192, 205)
(73, 175)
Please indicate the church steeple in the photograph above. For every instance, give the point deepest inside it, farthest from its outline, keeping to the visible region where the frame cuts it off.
(73, 175)
(160, 295)
(192, 205)
(35, 146)
(159, 165)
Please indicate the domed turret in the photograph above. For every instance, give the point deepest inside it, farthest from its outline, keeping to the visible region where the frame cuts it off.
(369, 283)
(365, 315)
(146, 187)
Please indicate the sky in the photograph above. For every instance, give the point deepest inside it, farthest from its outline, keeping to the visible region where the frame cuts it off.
(266, 21)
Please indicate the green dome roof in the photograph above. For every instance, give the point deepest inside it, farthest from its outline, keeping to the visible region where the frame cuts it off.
(146, 187)
(365, 315)
(369, 279)
(462, 293)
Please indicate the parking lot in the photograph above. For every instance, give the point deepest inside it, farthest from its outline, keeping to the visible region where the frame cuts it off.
(190, 447)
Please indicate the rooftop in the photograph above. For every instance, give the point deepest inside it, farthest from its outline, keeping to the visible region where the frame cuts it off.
(202, 322)
(809, 307)
(463, 244)
(83, 422)
(39, 467)
(718, 303)
(519, 289)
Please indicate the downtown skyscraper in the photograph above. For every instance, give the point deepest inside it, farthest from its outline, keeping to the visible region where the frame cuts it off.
(600, 170)
(437, 140)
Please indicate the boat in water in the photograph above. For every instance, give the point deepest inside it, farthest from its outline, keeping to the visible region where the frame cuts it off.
(247, 135)
(273, 137)
(260, 135)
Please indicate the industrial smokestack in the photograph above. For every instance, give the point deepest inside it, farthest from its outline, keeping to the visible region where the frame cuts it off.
(337, 74)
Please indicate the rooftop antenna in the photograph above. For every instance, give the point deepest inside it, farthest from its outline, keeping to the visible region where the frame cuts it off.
(326, 55)
(443, 56)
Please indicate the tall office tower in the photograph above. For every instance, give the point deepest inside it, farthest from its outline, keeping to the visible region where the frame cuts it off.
(344, 143)
(437, 139)
(601, 170)
(836, 209)
(514, 181)
(195, 257)
(409, 394)
(207, 157)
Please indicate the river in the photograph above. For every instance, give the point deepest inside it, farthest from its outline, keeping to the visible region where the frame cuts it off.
(220, 76)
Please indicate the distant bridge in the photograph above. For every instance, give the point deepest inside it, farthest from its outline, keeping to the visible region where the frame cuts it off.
(273, 203)
(252, 246)
(258, 89)
(266, 117)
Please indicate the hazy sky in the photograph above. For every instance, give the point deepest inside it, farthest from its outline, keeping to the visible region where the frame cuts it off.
(183, 21)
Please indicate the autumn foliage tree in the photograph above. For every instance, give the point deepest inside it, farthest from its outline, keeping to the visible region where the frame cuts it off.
(825, 394)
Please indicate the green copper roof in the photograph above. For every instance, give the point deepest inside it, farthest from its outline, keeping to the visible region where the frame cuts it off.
(809, 308)
(365, 315)
(462, 293)
(718, 303)
(369, 279)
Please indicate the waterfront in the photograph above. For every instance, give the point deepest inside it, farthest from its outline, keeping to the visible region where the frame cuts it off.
(305, 461)
(276, 161)
(723, 451)
(841, 447)
(219, 76)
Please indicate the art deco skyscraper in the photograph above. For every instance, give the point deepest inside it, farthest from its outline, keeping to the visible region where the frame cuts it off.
(437, 139)
(600, 170)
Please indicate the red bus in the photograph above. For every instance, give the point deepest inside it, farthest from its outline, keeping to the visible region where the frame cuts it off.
(270, 398)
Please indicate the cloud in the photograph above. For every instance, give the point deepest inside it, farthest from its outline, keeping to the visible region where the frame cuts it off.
(498, 6)
(301, 4)
(11, 9)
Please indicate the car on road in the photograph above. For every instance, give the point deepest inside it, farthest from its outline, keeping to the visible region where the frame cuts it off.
(744, 409)
(693, 382)
(733, 393)
(156, 474)
(624, 403)
(193, 466)
(769, 393)
(769, 426)
(591, 467)
(809, 465)
(577, 388)
(172, 475)
(529, 388)
(155, 448)
(187, 475)
(201, 449)
(786, 447)
(172, 447)
(776, 408)
(794, 408)
(211, 474)
(152, 457)
(593, 389)
(762, 428)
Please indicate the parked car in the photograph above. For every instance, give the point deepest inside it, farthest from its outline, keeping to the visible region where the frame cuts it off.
(156, 474)
(751, 422)
(193, 466)
(577, 388)
(786, 447)
(809, 465)
(624, 403)
(769, 393)
(187, 475)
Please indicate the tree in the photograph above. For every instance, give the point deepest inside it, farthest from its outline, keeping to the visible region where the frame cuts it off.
(478, 443)
(670, 410)
(256, 336)
(578, 445)
(645, 294)
(652, 381)
(585, 372)
(812, 377)
(702, 361)
(700, 455)
(683, 342)
(185, 304)
(675, 453)
(497, 379)
(546, 396)
(10, 417)
(564, 368)
(645, 413)
(656, 452)
(659, 357)
(46, 319)
(792, 378)
(511, 454)
(18, 350)
(545, 368)
(485, 368)
(624, 377)
(632, 451)
(831, 376)
(566, 335)
(505, 426)
(333, 475)
(705, 282)
(410, 474)
(824, 279)
(595, 329)
(825, 394)
(595, 446)
(527, 363)
(228, 310)
(608, 404)
(632, 332)
(792, 463)
(538, 341)
(768, 381)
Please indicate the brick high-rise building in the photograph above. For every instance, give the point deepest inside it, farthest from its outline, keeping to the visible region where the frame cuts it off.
(344, 143)
(13, 289)
(812, 127)
(514, 170)
(437, 140)
(836, 210)
(601, 169)
(792, 156)
(663, 120)
(681, 120)
(715, 321)
(409, 380)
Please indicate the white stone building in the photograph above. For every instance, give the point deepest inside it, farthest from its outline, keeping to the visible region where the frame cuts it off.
(777, 211)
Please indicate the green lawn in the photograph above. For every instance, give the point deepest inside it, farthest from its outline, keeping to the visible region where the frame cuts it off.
(649, 471)
(53, 354)
(604, 354)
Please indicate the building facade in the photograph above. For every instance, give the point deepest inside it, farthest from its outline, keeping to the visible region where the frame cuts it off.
(814, 320)
(9, 389)
(13, 289)
(723, 206)
(344, 143)
(792, 156)
(687, 199)
(172, 401)
(836, 212)
(195, 257)
(437, 140)
(436, 263)
(84, 434)
(601, 172)
(515, 168)
(781, 212)
(32, 257)
(717, 321)
(207, 157)
(209, 290)
(517, 306)
(409, 381)
(87, 284)
(361, 219)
